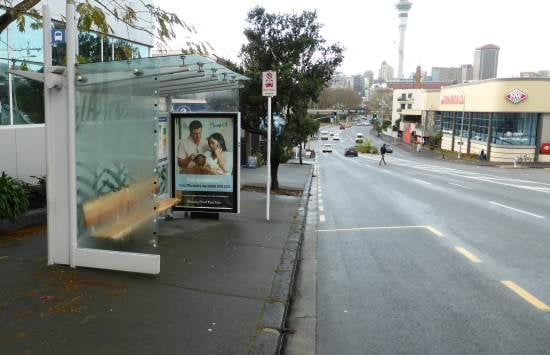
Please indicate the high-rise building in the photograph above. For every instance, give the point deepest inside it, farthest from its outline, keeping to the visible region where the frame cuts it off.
(358, 84)
(467, 72)
(446, 75)
(485, 62)
(386, 72)
(369, 75)
(403, 7)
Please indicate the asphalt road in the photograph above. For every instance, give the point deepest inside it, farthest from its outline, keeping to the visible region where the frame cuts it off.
(429, 257)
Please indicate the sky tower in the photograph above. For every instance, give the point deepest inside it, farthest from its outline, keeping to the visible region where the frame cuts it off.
(403, 7)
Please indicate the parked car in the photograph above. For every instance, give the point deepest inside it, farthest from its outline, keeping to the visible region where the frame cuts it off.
(350, 152)
(327, 148)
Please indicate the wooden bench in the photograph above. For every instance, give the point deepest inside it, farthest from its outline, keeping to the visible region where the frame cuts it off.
(117, 214)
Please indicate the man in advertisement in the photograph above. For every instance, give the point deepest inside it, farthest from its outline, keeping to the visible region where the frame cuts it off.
(191, 158)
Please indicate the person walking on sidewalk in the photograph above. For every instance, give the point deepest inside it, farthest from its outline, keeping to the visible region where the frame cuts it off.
(382, 154)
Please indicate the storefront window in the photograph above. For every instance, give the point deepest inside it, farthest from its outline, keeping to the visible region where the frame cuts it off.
(437, 121)
(514, 128)
(480, 126)
(123, 50)
(28, 95)
(4, 83)
(447, 122)
(26, 45)
(461, 125)
(89, 47)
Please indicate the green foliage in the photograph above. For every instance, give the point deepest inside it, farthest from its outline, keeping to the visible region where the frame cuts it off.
(367, 147)
(260, 160)
(93, 16)
(14, 200)
(291, 45)
(435, 140)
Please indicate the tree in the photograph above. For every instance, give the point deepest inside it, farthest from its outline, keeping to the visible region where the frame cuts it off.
(92, 17)
(339, 98)
(290, 44)
(381, 101)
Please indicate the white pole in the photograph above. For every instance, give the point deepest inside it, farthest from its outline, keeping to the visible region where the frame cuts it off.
(268, 185)
(71, 116)
(50, 171)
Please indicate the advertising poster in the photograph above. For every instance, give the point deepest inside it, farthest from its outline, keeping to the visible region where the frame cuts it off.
(162, 156)
(205, 164)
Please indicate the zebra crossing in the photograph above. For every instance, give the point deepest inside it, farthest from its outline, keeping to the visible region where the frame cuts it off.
(465, 174)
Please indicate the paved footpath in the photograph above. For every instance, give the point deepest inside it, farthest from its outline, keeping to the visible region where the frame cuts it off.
(223, 286)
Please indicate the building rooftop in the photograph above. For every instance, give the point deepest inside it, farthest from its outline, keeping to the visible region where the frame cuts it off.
(489, 46)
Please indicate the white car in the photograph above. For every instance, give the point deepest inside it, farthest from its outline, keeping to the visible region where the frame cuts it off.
(336, 137)
(327, 148)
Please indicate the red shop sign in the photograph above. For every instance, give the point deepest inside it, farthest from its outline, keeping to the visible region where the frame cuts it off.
(545, 148)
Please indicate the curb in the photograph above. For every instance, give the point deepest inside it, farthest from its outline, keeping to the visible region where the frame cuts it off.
(270, 327)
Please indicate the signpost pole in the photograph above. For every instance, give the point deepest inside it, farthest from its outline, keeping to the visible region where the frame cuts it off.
(269, 89)
(268, 184)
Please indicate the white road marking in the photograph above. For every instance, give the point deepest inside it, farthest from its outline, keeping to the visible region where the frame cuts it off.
(516, 209)
(462, 186)
(321, 208)
(423, 182)
(322, 218)
(368, 228)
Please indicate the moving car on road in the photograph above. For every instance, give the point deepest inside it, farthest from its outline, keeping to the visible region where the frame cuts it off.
(327, 148)
(324, 135)
(389, 149)
(336, 137)
(350, 152)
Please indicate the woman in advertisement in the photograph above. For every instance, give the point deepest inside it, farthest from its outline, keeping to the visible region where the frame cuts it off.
(219, 160)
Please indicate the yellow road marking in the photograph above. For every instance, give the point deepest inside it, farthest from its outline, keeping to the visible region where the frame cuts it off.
(526, 296)
(322, 218)
(468, 255)
(434, 231)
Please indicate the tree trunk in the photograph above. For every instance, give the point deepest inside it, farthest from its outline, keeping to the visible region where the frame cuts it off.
(300, 153)
(274, 171)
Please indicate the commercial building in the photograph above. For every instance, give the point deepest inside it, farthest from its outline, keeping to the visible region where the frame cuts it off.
(486, 62)
(506, 118)
(22, 130)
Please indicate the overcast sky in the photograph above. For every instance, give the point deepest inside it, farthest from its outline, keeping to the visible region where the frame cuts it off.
(439, 32)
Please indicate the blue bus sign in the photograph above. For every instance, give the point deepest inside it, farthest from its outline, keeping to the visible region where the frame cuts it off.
(58, 36)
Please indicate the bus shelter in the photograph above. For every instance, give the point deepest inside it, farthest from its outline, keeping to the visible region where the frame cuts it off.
(108, 152)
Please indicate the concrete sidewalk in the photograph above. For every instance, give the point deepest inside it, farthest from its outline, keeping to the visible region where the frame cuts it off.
(223, 287)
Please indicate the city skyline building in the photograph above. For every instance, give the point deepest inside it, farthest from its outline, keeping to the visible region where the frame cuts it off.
(386, 72)
(403, 7)
(486, 62)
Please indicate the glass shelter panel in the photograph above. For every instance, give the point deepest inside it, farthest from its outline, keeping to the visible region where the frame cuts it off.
(116, 121)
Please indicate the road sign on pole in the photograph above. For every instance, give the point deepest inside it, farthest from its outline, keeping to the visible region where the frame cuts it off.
(269, 83)
(269, 89)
